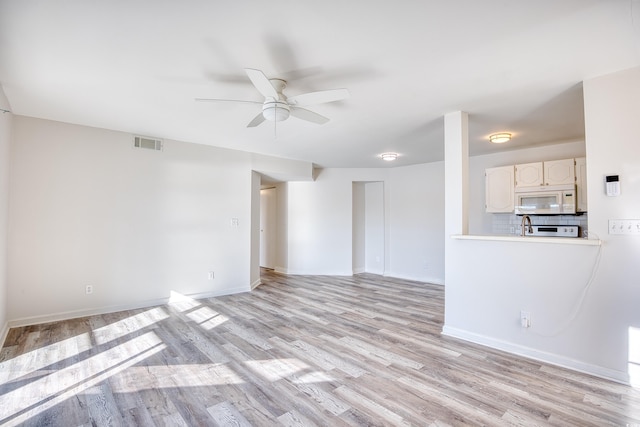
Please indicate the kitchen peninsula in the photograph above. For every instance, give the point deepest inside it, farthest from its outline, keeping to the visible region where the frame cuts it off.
(491, 279)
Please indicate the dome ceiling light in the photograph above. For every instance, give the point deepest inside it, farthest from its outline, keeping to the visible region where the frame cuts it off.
(389, 157)
(500, 138)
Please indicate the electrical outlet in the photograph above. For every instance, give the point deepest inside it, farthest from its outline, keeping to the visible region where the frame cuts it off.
(88, 289)
(525, 319)
(211, 275)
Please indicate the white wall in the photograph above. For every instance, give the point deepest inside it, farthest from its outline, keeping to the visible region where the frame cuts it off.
(254, 230)
(320, 221)
(6, 121)
(282, 221)
(321, 217)
(416, 222)
(576, 322)
(374, 226)
(87, 208)
(612, 108)
(358, 240)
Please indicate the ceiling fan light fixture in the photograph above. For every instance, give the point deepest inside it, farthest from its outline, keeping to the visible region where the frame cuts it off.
(275, 111)
(389, 157)
(500, 138)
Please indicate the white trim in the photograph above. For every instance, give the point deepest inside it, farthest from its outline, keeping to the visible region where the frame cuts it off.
(256, 284)
(430, 280)
(3, 333)
(66, 315)
(434, 281)
(319, 273)
(529, 239)
(541, 356)
(281, 270)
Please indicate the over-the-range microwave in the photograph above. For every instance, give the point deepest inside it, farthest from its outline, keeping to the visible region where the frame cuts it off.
(546, 200)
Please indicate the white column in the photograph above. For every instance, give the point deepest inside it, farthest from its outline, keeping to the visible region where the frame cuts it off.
(456, 189)
(456, 173)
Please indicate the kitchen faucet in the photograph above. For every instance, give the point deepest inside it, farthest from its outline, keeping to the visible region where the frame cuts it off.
(525, 219)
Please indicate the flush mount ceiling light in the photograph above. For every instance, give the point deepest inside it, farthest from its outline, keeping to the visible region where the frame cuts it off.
(389, 157)
(500, 138)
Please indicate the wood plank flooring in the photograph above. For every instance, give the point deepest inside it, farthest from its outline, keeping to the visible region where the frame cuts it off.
(298, 351)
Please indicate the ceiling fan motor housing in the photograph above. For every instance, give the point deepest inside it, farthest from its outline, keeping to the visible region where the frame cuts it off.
(276, 110)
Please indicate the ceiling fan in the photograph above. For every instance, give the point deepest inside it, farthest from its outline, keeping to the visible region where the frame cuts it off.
(277, 107)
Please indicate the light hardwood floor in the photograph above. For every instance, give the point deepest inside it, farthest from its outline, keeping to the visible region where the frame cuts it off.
(298, 351)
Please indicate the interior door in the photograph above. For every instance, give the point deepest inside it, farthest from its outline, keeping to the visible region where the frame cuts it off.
(268, 227)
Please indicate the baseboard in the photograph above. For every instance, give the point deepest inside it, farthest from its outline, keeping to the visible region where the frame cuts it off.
(431, 280)
(74, 314)
(435, 281)
(3, 333)
(317, 273)
(256, 284)
(541, 356)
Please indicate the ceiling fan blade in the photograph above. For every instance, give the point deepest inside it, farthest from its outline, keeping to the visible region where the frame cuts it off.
(226, 100)
(256, 120)
(320, 97)
(262, 83)
(308, 115)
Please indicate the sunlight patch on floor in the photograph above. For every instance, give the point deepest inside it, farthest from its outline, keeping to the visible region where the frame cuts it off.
(119, 329)
(36, 360)
(207, 318)
(54, 387)
(634, 356)
(181, 302)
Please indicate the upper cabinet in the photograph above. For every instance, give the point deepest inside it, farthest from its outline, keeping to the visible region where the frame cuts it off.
(501, 182)
(581, 184)
(555, 172)
(499, 196)
(558, 172)
(529, 175)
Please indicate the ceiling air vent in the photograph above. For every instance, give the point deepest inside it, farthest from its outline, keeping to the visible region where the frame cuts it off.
(147, 143)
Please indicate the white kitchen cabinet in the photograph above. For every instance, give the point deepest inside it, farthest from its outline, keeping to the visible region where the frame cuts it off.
(559, 172)
(554, 172)
(529, 175)
(499, 189)
(581, 184)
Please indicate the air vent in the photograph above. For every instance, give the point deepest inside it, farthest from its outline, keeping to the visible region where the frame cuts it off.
(147, 143)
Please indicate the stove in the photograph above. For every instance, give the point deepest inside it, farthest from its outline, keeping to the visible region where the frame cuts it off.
(553, 230)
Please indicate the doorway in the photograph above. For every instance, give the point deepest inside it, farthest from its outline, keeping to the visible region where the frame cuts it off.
(368, 227)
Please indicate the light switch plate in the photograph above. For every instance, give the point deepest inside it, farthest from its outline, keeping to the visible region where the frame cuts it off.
(624, 226)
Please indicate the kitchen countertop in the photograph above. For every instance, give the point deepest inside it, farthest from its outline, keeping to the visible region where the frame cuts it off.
(530, 239)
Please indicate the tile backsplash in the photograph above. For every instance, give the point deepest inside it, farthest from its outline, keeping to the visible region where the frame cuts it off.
(510, 223)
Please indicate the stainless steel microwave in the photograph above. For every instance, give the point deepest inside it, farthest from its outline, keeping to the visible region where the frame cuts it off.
(546, 200)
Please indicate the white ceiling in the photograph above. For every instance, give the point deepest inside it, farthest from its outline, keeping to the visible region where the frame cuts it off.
(136, 66)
